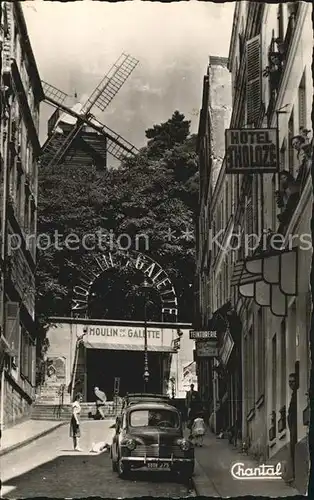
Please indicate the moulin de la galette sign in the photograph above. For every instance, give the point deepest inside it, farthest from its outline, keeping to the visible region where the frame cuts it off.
(146, 265)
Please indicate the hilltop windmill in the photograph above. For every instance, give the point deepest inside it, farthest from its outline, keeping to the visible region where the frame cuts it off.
(61, 138)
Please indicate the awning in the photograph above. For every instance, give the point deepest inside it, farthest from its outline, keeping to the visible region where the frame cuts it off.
(269, 278)
(127, 347)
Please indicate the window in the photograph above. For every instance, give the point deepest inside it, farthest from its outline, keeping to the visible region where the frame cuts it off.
(280, 19)
(290, 148)
(302, 103)
(153, 418)
(283, 354)
(274, 373)
(254, 80)
(260, 353)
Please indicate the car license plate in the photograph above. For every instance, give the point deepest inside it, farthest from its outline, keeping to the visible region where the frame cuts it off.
(156, 465)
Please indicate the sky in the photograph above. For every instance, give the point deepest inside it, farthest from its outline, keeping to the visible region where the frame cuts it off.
(76, 43)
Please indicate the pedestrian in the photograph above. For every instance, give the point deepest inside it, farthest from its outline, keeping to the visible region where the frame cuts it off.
(101, 399)
(75, 431)
(292, 422)
(198, 429)
(191, 401)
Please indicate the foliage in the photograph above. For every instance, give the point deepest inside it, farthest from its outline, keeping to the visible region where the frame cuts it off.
(149, 193)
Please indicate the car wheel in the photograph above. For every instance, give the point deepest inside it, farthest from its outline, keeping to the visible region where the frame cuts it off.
(122, 469)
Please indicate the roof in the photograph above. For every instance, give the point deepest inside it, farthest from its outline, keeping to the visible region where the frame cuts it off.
(152, 405)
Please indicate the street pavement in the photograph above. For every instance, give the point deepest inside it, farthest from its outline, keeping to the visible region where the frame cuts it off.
(49, 467)
(212, 477)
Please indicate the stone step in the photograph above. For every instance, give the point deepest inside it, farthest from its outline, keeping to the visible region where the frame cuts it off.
(50, 411)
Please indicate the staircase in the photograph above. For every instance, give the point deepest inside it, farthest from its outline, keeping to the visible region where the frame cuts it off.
(45, 411)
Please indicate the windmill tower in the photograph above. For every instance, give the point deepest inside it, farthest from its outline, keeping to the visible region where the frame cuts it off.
(67, 124)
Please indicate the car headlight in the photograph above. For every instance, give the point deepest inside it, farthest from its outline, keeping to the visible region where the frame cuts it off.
(184, 444)
(130, 444)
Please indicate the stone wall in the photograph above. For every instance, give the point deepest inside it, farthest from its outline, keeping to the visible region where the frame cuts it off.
(17, 405)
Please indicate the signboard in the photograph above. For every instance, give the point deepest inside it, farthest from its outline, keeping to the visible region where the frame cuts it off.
(199, 334)
(251, 151)
(128, 338)
(206, 350)
(226, 347)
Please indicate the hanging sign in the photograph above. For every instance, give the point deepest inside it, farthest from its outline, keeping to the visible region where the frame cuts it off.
(251, 151)
(199, 334)
(206, 349)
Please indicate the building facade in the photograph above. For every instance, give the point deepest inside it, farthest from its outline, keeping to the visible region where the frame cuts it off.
(260, 257)
(109, 354)
(214, 118)
(21, 94)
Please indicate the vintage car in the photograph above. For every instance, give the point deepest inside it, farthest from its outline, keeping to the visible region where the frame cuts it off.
(149, 435)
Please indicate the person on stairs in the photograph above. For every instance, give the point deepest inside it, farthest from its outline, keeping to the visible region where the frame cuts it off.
(75, 432)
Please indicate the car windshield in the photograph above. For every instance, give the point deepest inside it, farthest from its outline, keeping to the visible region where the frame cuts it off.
(154, 418)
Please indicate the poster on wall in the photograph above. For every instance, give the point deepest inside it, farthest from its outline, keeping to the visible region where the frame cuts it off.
(188, 376)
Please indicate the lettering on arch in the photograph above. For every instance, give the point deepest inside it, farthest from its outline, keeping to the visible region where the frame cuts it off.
(143, 263)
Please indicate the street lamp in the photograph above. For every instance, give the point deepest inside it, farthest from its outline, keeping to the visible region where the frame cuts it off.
(146, 286)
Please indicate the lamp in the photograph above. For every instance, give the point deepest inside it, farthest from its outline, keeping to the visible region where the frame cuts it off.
(146, 286)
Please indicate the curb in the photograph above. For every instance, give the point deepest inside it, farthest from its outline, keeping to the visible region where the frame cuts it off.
(202, 484)
(16, 446)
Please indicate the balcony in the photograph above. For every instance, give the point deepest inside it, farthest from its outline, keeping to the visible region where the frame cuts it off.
(291, 189)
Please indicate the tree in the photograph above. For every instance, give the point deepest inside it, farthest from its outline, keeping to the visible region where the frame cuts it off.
(154, 193)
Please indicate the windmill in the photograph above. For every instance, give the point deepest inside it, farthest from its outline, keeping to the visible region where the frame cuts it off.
(59, 140)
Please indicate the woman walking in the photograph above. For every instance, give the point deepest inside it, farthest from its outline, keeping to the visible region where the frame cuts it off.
(75, 432)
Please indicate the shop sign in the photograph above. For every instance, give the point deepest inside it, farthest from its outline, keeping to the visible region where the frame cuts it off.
(150, 269)
(251, 151)
(126, 335)
(206, 349)
(226, 348)
(200, 334)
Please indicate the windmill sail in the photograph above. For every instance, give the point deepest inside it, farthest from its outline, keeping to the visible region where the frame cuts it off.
(58, 96)
(111, 83)
(58, 144)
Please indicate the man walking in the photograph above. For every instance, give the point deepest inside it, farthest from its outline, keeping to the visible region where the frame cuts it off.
(192, 402)
(292, 422)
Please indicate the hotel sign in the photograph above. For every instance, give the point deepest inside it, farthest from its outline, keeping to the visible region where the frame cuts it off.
(251, 151)
(199, 334)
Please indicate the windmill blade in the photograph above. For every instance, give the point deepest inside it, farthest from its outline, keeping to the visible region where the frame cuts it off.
(111, 83)
(117, 146)
(58, 144)
(53, 93)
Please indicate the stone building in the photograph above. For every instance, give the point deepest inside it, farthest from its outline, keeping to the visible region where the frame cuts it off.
(21, 94)
(264, 223)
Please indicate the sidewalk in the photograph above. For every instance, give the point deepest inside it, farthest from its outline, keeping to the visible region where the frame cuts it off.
(24, 433)
(213, 478)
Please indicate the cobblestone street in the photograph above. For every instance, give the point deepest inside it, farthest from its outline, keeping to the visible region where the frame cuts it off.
(49, 468)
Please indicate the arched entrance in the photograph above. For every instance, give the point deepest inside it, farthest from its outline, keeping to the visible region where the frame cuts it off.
(113, 356)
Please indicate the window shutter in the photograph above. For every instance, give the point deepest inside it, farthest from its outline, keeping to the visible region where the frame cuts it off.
(254, 79)
(12, 332)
